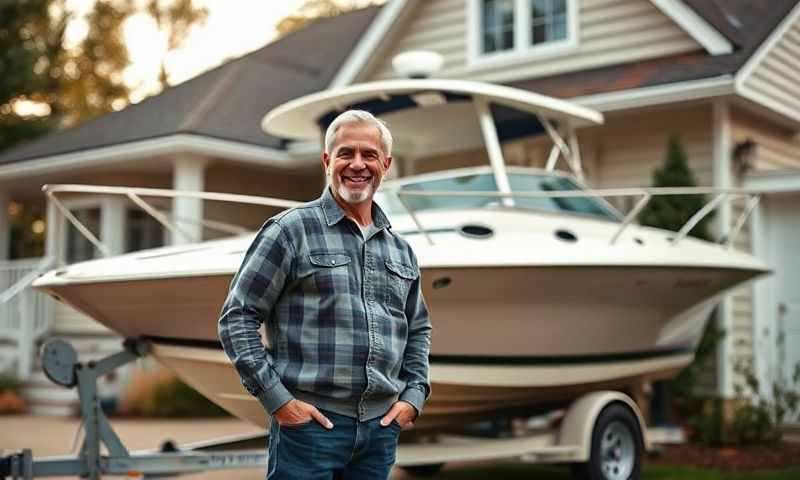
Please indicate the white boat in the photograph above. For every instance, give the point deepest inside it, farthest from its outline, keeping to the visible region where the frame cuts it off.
(539, 290)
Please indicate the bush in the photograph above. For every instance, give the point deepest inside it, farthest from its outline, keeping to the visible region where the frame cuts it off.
(10, 399)
(757, 420)
(9, 383)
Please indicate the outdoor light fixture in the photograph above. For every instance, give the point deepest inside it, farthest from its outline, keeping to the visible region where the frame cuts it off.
(744, 154)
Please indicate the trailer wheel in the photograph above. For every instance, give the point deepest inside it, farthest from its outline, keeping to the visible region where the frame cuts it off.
(616, 449)
(428, 470)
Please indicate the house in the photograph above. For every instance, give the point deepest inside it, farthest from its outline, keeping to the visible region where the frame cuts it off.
(717, 74)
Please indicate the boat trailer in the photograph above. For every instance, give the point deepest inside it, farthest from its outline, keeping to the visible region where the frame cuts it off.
(601, 431)
(60, 364)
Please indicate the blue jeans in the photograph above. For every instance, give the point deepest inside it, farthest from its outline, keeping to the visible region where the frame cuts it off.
(351, 450)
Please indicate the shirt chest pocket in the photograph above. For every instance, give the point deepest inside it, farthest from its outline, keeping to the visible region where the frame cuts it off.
(399, 278)
(325, 272)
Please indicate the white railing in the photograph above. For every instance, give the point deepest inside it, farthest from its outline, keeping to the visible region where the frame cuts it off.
(644, 194)
(135, 195)
(25, 315)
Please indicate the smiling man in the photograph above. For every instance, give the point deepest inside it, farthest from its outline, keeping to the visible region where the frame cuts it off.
(349, 333)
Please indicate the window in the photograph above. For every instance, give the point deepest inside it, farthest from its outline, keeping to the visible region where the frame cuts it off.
(466, 183)
(548, 21)
(78, 247)
(542, 183)
(142, 231)
(485, 182)
(498, 25)
(502, 29)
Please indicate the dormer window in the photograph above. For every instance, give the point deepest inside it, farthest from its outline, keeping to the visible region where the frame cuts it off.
(498, 25)
(502, 30)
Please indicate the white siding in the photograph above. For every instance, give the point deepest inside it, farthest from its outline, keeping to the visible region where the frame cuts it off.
(610, 32)
(776, 75)
(631, 146)
(776, 149)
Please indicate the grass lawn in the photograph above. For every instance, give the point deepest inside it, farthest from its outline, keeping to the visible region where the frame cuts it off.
(516, 471)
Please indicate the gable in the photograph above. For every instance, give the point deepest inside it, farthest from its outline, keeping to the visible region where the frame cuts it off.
(609, 32)
(770, 78)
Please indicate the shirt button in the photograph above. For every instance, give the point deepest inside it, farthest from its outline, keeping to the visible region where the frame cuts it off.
(333, 262)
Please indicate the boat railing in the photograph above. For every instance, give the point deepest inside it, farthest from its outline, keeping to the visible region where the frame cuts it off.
(644, 195)
(136, 194)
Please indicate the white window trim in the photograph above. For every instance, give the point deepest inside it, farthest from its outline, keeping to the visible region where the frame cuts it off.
(111, 222)
(522, 50)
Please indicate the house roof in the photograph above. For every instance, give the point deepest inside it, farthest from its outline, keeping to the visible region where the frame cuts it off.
(746, 23)
(226, 102)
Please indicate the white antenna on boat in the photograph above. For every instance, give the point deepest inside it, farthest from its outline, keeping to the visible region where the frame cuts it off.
(417, 63)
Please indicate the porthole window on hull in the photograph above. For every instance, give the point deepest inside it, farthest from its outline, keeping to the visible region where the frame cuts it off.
(476, 231)
(566, 235)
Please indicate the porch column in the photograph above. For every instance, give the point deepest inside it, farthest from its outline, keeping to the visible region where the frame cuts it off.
(188, 175)
(112, 224)
(723, 179)
(52, 241)
(5, 227)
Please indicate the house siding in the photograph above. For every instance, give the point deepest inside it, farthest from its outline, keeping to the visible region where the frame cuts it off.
(775, 76)
(610, 32)
(777, 148)
(632, 146)
(300, 186)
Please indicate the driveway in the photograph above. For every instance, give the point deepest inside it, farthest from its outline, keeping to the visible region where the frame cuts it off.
(55, 436)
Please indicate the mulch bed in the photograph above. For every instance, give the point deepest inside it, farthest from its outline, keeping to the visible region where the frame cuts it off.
(730, 458)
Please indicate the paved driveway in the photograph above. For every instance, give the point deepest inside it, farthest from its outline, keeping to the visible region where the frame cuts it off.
(55, 436)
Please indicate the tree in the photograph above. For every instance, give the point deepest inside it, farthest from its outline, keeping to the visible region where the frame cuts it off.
(176, 19)
(31, 34)
(84, 80)
(91, 82)
(311, 10)
(94, 82)
(671, 212)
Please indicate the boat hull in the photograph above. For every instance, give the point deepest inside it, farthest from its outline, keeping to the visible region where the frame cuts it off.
(460, 391)
(481, 313)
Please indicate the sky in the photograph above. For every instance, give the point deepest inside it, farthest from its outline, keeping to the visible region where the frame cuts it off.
(232, 28)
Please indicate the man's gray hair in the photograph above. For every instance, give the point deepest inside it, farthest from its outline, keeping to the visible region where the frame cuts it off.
(358, 116)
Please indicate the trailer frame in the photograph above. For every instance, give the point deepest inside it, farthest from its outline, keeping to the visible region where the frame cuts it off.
(571, 441)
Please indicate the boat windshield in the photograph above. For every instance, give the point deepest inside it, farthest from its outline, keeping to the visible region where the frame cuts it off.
(485, 182)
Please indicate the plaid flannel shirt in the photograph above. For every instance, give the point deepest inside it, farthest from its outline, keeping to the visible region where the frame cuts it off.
(347, 327)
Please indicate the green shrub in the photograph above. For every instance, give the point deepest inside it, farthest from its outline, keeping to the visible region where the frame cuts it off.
(173, 398)
(753, 426)
(707, 423)
(9, 382)
(758, 418)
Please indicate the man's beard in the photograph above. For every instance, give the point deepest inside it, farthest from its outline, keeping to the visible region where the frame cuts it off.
(348, 195)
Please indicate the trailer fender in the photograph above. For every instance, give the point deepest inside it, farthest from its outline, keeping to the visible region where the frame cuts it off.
(578, 423)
